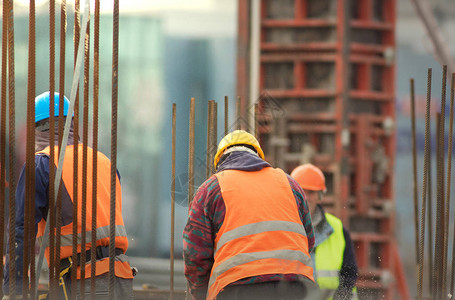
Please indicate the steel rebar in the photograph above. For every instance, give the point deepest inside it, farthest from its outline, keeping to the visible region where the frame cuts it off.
(29, 246)
(226, 115)
(430, 218)
(77, 28)
(113, 148)
(214, 136)
(424, 187)
(96, 45)
(85, 155)
(3, 117)
(12, 150)
(238, 115)
(174, 117)
(256, 120)
(191, 153)
(414, 168)
(452, 277)
(209, 138)
(447, 203)
(436, 270)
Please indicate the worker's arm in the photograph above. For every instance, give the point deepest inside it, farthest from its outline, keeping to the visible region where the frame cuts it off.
(348, 272)
(41, 204)
(304, 211)
(205, 218)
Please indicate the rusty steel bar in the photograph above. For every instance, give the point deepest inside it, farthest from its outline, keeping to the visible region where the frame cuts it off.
(191, 153)
(256, 121)
(447, 202)
(58, 214)
(209, 138)
(414, 168)
(29, 246)
(96, 64)
(214, 136)
(424, 188)
(226, 115)
(238, 115)
(85, 155)
(452, 277)
(12, 149)
(171, 280)
(77, 28)
(3, 135)
(115, 46)
(436, 274)
(430, 220)
(51, 213)
(440, 204)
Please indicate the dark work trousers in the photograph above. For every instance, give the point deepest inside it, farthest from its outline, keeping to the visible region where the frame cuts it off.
(123, 288)
(274, 290)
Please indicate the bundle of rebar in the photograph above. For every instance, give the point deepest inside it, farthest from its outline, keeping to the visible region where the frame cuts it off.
(438, 240)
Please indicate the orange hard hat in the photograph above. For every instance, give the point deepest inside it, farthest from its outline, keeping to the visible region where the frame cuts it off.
(309, 177)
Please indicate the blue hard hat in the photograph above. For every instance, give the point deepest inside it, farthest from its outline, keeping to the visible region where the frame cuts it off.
(42, 106)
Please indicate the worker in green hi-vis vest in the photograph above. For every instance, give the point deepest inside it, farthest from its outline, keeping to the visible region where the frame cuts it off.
(335, 268)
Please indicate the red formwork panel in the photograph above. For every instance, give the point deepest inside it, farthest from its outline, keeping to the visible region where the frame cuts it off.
(302, 69)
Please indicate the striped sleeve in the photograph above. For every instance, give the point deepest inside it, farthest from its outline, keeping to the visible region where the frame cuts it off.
(304, 211)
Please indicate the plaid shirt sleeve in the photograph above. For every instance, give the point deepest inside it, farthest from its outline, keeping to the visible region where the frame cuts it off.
(304, 211)
(199, 236)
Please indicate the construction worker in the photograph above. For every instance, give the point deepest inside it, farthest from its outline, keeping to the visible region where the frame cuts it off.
(249, 231)
(123, 272)
(335, 268)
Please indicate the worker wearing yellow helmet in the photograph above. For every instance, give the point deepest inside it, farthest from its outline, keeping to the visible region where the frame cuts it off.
(335, 268)
(249, 231)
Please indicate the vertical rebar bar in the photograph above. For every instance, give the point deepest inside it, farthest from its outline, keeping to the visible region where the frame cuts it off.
(414, 168)
(452, 277)
(424, 187)
(447, 202)
(29, 258)
(51, 220)
(83, 257)
(77, 28)
(256, 120)
(113, 148)
(191, 153)
(60, 138)
(214, 136)
(3, 134)
(238, 115)
(436, 270)
(440, 204)
(226, 115)
(174, 118)
(209, 138)
(96, 46)
(12, 149)
(430, 218)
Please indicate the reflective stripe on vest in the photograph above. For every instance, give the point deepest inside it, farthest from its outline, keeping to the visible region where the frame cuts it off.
(262, 232)
(103, 209)
(329, 258)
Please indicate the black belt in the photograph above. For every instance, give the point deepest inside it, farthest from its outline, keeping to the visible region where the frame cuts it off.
(101, 252)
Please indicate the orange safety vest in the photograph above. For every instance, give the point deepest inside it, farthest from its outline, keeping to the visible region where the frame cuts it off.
(122, 266)
(262, 232)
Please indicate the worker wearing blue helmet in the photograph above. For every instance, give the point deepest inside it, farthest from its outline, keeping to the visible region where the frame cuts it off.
(123, 271)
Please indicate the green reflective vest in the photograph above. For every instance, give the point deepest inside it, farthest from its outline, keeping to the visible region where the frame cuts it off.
(329, 258)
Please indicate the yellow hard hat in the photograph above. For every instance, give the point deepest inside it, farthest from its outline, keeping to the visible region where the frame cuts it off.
(237, 137)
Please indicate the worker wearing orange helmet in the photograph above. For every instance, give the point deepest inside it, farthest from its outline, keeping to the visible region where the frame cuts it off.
(249, 231)
(335, 268)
